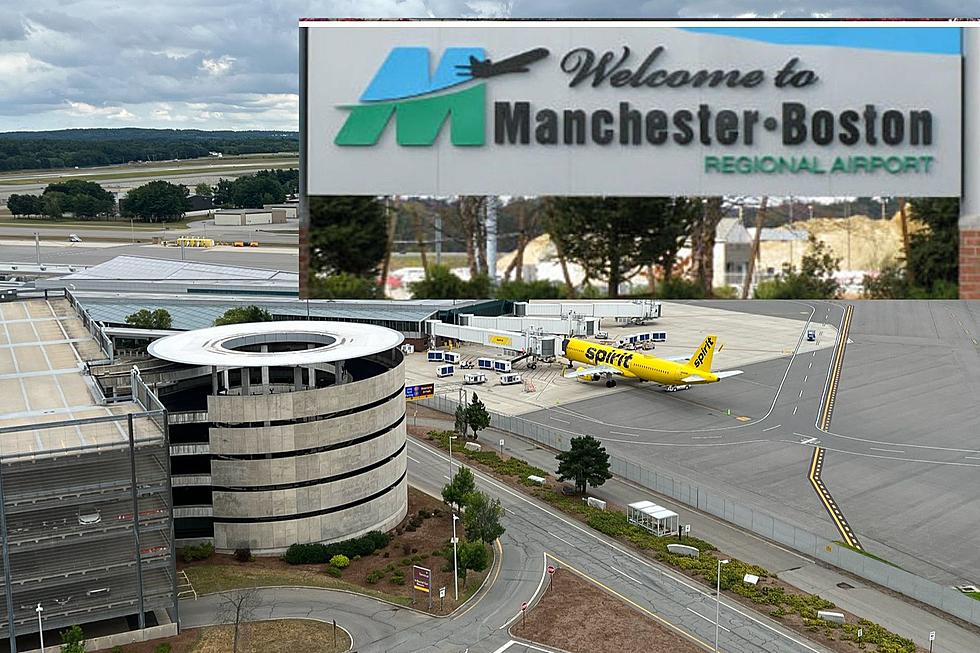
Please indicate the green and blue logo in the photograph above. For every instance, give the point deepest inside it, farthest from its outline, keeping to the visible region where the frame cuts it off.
(404, 87)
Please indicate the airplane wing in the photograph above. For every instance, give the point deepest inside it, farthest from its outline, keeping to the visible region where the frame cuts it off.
(721, 375)
(589, 371)
(675, 359)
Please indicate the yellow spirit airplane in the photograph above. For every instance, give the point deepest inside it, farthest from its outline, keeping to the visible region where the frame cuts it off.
(674, 373)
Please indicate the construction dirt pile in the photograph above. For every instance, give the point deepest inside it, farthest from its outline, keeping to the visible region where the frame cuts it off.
(859, 242)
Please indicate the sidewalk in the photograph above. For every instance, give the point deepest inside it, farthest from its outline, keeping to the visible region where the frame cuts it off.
(894, 613)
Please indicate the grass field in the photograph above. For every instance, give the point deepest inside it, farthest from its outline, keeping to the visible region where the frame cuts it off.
(7, 220)
(148, 174)
(414, 260)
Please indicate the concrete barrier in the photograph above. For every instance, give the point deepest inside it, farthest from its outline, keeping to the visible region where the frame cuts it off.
(684, 550)
(536, 479)
(828, 615)
(472, 446)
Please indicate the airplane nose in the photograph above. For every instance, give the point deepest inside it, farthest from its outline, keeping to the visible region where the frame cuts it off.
(564, 345)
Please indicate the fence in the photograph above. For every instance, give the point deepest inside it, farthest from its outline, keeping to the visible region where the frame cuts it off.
(715, 503)
(91, 325)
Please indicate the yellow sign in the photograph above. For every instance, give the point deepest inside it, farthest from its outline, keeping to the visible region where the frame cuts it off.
(500, 340)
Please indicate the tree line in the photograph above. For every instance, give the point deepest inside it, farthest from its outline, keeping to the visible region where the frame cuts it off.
(614, 240)
(155, 201)
(82, 148)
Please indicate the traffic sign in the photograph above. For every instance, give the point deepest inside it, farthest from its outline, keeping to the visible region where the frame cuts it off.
(421, 577)
(932, 635)
(551, 569)
(687, 528)
(524, 606)
(416, 392)
(442, 592)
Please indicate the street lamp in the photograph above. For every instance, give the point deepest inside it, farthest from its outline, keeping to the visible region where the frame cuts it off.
(451, 438)
(718, 603)
(40, 627)
(455, 561)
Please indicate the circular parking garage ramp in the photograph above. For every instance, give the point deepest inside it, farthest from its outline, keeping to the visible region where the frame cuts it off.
(284, 432)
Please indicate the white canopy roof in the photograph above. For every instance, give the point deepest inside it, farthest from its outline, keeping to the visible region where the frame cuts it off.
(332, 341)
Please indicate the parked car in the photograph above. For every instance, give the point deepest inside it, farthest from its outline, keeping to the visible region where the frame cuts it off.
(811, 335)
(73, 238)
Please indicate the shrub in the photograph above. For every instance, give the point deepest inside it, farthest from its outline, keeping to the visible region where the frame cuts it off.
(339, 561)
(73, 640)
(398, 578)
(311, 554)
(197, 552)
(162, 647)
(406, 548)
(116, 649)
(243, 554)
(375, 576)
(333, 571)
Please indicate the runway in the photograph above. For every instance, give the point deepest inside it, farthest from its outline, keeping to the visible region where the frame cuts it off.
(901, 455)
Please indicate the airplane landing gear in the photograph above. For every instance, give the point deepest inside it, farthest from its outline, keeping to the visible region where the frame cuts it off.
(611, 383)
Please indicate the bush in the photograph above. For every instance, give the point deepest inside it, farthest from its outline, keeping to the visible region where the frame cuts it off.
(374, 576)
(197, 552)
(679, 288)
(117, 649)
(313, 554)
(333, 571)
(339, 561)
(243, 554)
(73, 640)
(398, 578)
(162, 647)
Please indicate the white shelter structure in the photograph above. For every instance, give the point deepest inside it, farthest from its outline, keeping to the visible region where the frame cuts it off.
(658, 520)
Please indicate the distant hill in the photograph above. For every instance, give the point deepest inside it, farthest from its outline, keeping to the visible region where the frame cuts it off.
(68, 148)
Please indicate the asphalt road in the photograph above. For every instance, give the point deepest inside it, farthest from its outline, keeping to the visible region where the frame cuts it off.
(88, 254)
(533, 531)
(852, 594)
(272, 234)
(901, 456)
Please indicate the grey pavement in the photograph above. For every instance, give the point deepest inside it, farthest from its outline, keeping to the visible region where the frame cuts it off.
(897, 614)
(82, 255)
(269, 234)
(483, 625)
(901, 451)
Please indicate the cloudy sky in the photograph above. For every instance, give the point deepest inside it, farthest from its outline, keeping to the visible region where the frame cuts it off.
(232, 64)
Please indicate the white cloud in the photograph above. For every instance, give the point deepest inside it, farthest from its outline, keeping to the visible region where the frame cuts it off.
(218, 66)
(87, 110)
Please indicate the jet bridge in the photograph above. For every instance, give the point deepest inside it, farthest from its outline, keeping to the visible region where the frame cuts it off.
(537, 345)
(635, 311)
(567, 326)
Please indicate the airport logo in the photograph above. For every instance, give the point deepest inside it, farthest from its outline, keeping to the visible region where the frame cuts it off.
(611, 357)
(403, 86)
(708, 344)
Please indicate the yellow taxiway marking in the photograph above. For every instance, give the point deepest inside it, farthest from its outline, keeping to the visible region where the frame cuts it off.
(836, 514)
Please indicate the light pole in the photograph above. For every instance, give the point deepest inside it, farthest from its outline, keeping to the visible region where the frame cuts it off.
(40, 627)
(718, 603)
(455, 561)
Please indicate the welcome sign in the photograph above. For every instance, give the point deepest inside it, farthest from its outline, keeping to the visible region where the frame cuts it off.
(630, 108)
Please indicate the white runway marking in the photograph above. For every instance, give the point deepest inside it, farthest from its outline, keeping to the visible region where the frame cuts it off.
(558, 420)
(705, 437)
(795, 408)
(972, 457)
(771, 428)
(801, 392)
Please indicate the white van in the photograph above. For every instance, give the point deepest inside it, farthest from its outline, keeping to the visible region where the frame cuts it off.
(476, 378)
(510, 379)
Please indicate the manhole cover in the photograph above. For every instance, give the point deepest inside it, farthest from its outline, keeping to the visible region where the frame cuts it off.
(845, 586)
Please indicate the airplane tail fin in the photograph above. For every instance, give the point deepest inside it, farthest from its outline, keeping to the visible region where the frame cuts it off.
(701, 360)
